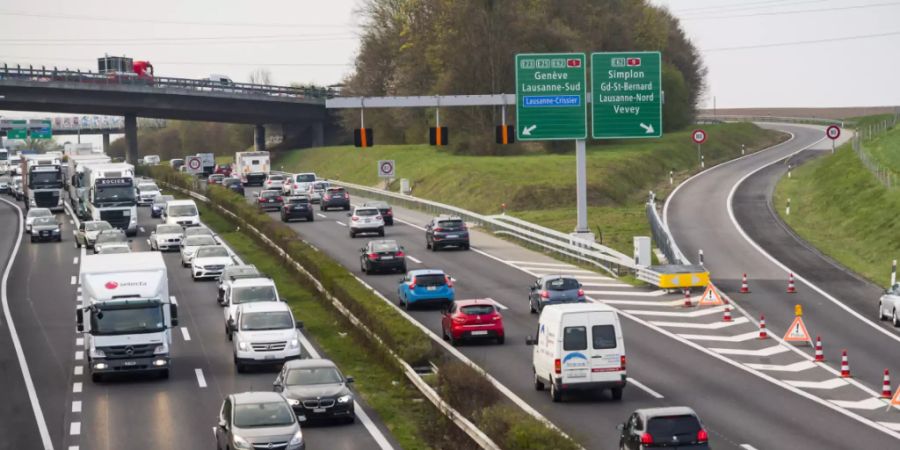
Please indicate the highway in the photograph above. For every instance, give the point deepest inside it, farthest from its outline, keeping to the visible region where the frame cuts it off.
(674, 373)
(127, 412)
(837, 305)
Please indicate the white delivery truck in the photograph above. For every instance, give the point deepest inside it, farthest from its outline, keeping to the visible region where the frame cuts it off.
(78, 184)
(126, 314)
(4, 161)
(251, 167)
(151, 160)
(43, 182)
(207, 163)
(111, 195)
(579, 347)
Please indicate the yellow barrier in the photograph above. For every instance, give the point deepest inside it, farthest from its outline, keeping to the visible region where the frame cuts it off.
(683, 280)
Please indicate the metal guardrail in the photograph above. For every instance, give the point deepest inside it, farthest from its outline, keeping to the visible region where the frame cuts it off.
(44, 75)
(779, 119)
(663, 238)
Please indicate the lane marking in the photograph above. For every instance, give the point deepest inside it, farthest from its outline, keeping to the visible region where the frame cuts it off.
(75, 260)
(640, 302)
(498, 304)
(79, 342)
(76, 406)
(200, 379)
(868, 404)
(768, 351)
(705, 337)
(185, 334)
(79, 370)
(890, 425)
(142, 229)
(79, 355)
(340, 223)
(698, 313)
(540, 263)
(322, 215)
(830, 383)
(747, 447)
(71, 222)
(657, 293)
(643, 387)
(798, 366)
(74, 280)
(413, 259)
(77, 387)
(701, 326)
(74, 429)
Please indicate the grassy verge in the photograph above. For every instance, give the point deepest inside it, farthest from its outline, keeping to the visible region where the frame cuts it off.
(842, 210)
(541, 187)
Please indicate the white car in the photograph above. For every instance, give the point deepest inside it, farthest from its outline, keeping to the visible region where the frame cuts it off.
(210, 261)
(247, 290)
(265, 333)
(316, 189)
(34, 213)
(365, 219)
(298, 183)
(166, 237)
(274, 181)
(190, 244)
(181, 212)
(198, 231)
(146, 193)
(889, 305)
(232, 273)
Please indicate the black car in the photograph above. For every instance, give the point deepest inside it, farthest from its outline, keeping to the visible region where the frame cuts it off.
(663, 428)
(316, 389)
(554, 289)
(297, 207)
(45, 229)
(159, 205)
(382, 255)
(269, 199)
(446, 231)
(386, 211)
(335, 197)
(234, 184)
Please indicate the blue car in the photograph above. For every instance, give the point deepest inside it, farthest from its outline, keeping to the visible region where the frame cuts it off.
(425, 286)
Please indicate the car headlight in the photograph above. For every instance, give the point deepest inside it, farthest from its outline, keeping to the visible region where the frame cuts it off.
(242, 346)
(97, 353)
(241, 443)
(344, 399)
(56, 231)
(293, 402)
(295, 343)
(133, 219)
(160, 350)
(297, 439)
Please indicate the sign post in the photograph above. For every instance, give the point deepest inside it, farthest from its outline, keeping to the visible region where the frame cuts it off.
(833, 132)
(386, 168)
(699, 137)
(626, 95)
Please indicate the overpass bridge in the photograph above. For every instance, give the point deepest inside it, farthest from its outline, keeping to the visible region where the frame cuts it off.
(299, 113)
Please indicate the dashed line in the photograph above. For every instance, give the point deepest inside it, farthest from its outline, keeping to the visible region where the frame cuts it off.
(77, 387)
(340, 223)
(74, 280)
(644, 388)
(322, 215)
(73, 447)
(409, 257)
(76, 406)
(74, 429)
(79, 355)
(79, 342)
(200, 379)
(71, 222)
(148, 242)
(79, 370)
(747, 447)
(75, 260)
(498, 304)
(185, 333)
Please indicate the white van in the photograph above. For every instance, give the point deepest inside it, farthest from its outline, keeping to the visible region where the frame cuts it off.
(579, 347)
(181, 212)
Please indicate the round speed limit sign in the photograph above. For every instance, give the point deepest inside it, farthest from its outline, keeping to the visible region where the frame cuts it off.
(386, 168)
(699, 136)
(833, 132)
(194, 163)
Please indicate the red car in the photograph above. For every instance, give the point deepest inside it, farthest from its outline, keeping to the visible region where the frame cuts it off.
(472, 319)
(223, 169)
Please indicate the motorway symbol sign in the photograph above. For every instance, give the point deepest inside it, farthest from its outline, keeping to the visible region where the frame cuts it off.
(386, 168)
(626, 95)
(550, 96)
(699, 136)
(833, 132)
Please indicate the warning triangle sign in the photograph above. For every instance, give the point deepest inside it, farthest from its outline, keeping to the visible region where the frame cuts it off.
(710, 297)
(895, 400)
(797, 332)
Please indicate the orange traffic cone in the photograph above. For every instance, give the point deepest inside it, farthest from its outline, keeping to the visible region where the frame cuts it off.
(763, 334)
(845, 365)
(791, 289)
(886, 385)
(820, 355)
(745, 289)
(726, 317)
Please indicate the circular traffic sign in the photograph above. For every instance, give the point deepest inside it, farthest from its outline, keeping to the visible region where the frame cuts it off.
(387, 168)
(833, 132)
(699, 136)
(194, 163)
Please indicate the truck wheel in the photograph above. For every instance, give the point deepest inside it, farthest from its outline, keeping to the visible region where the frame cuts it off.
(538, 384)
(555, 395)
(616, 393)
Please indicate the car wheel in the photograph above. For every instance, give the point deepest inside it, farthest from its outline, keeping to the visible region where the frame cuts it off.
(77, 244)
(403, 268)
(616, 393)
(443, 334)
(347, 208)
(453, 342)
(352, 234)
(531, 308)
(381, 232)
(895, 320)
(501, 340)
(538, 384)
(59, 239)
(399, 300)
(434, 247)
(32, 238)
(311, 218)
(406, 305)
(880, 311)
(96, 377)
(240, 367)
(466, 247)
(164, 374)
(427, 244)
(362, 268)
(555, 395)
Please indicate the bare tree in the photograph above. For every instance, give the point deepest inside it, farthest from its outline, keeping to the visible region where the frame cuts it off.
(261, 76)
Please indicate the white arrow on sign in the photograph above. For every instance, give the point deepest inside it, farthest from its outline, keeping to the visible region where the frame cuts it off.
(647, 128)
(527, 130)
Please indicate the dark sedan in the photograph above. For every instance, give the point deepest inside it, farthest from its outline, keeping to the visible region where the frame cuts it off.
(386, 211)
(297, 207)
(159, 205)
(554, 289)
(382, 255)
(269, 200)
(316, 389)
(335, 197)
(45, 229)
(234, 184)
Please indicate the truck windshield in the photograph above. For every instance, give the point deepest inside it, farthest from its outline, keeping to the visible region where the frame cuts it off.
(143, 319)
(117, 194)
(45, 179)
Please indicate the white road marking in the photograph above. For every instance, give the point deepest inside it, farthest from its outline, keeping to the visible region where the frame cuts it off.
(498, 304)
(79, 342)
(643, 387)
(747, 447)
(79, 355)
(79, 370)
(75, 260)
(649, 303)
(890, 425)
(738, 338)
(702, 326)
(532, 263)
(798, 366)
(74, 429)
(76, 406)
(71, 222)
(697, 313)
(142, 229)
(200, 379)
(77, 387)
(74, 279)
(768, 351)
(148, 242)
(657, 293)
(185, 334)
(868, 404)
(409, 257)
(340, 223)
(830, 383)
(78, 298)
(322, 215)
(605, 285)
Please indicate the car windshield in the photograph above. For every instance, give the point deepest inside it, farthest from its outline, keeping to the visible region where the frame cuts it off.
(198, 231)
(127, 320)
(305, 178)
(294, 200)
(366, 212)
(276, 178)
(268, 194)
(39, 212)
(212, 252)
(673, 426)
(477, 310)
(199, 240)
(116, 236)
(251, 294)
(561, 284)
(148, 187)
(168, 229)
(334, 191)
(97, 226)
(240, 270)
(313, 375)
(45, 221)
(182, 210)
(274, 320)
(253, 415)
(436, 279)
(320, 186)
(385, 246)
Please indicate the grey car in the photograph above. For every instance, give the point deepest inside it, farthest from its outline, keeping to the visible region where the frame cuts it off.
(257, 420)
(554, 289)
(889, 305)
(88, 231)
(316, 389)
(673, 427)
(45, 229)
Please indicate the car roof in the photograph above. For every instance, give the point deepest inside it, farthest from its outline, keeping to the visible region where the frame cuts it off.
(264, 307)
(426, 272)
(447, 217)
(308, 362)
(556, 276)
(111, 231)
(261, 280)
(172, 225)
(383, 241)
(180, 202)
(665, 411)
(40, 210)
(242, 398)
(201, 247)
(475, 301)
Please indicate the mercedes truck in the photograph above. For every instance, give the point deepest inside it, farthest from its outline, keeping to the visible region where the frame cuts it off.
(43, 182)
(126, 314)
(111, 195)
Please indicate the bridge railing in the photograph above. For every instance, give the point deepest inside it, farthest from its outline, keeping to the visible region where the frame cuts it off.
(45, 75)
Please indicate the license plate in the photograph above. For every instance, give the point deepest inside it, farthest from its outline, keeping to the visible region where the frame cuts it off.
(366, 220)
(319, 410)
(385, 258)
(270, 357)
(452, 236)
(432, 288)
(577, 374)
(129, 363)
(479, 333)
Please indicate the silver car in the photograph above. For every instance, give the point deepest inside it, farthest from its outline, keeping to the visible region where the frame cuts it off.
(554, 289)
(263, 420)
(889, 305)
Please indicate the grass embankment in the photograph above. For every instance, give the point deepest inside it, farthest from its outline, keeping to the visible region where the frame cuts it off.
(541, 187)
(402, 408)
(840, 208)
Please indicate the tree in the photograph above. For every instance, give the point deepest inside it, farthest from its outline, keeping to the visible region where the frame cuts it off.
(261, 76)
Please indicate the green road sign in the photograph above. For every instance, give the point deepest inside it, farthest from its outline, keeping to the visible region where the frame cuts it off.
(626, 95)
(45, 132)
(550, 96)
(18, 129)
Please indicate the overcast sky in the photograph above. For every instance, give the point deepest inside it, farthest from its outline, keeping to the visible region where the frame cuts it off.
(315, 41)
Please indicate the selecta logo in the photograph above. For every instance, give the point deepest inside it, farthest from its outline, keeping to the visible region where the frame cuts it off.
(111, 285)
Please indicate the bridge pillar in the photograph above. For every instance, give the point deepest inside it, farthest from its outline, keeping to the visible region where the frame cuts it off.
(318, 134)
(131, 139)
(105, 142)
(259, 137)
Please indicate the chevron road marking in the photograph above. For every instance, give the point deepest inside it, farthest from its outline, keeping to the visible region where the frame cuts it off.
(738, 338)
(639, 302)
(768, 351)
(890, 425)
(795, 367)
(868, 404)
(532, 263)
(830, 383)
(697, 313)
(636, 293)
(702, 326)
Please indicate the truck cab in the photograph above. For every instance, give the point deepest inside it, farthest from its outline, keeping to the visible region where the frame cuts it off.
(111, 195)
(43, 182)
(78, 184)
